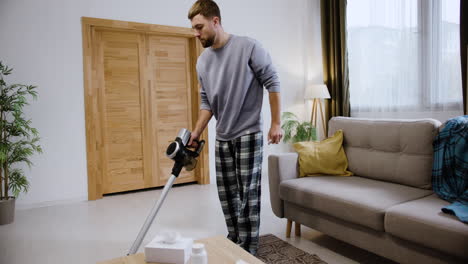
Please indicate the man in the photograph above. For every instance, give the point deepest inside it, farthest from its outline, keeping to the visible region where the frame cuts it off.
(232, 71)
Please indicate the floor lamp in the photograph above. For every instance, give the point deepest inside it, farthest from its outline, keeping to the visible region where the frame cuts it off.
(317, 92)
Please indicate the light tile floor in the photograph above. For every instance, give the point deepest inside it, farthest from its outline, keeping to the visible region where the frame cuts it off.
(91, 231)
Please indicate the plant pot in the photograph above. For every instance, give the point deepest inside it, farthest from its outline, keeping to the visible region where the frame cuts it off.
(7, 211)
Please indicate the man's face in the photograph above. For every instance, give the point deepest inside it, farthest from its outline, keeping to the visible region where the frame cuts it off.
(204, 29)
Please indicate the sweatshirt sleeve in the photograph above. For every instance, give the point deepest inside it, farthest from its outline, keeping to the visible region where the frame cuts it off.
(204, 104)
(262, 66)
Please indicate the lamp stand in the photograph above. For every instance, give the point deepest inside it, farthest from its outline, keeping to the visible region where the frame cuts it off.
(317, 103)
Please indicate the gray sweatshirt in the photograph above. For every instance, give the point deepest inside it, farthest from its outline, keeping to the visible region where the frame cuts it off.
(232, 79)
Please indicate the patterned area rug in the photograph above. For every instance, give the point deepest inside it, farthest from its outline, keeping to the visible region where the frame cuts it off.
(273, 250)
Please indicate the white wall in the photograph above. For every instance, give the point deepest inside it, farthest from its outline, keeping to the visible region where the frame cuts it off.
(42, 41)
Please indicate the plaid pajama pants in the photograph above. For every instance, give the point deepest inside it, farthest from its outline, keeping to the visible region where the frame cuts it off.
(238, 177)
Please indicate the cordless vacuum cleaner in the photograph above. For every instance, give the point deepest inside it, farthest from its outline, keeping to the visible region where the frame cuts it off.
(183, 157)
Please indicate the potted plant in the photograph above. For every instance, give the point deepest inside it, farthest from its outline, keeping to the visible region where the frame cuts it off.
(296, 131)
(18, 141)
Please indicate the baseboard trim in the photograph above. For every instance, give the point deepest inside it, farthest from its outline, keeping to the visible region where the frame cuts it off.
(26, 206)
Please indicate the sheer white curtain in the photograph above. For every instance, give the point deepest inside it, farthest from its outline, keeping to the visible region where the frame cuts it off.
(404, 58)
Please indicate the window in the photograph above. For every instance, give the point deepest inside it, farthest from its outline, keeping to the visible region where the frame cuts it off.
(404, 55)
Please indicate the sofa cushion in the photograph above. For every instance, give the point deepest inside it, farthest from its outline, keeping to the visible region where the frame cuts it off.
(355, 199)
(398, 151)
(326, 157)
(422, 221)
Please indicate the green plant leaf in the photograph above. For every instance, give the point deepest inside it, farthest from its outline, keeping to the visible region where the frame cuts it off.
(296, 131)
(288, 115)
(18, 182)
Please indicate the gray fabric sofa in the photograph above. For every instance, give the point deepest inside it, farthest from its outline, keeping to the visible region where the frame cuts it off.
(388, 206)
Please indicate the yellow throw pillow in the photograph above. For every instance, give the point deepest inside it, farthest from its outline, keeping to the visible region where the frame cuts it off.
(326, 157)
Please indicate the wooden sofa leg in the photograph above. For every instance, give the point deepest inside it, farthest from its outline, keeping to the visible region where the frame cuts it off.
(297, 229)
(288, 228)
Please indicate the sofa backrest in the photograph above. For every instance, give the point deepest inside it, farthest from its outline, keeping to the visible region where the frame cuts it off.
(398, 151)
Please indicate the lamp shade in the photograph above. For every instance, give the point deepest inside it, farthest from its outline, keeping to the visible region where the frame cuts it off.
(316, 91)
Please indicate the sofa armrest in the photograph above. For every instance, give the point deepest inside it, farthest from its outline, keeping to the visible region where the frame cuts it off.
(281, 167)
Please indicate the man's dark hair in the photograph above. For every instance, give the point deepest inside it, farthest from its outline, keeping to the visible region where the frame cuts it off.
(206, 8)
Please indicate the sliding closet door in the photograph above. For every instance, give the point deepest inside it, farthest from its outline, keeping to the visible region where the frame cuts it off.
(120, 58)
(170, 86)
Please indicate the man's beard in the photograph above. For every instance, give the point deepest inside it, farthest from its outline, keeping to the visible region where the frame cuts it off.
(207, 42)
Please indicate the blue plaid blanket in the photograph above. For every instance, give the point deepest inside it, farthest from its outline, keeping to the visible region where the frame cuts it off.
(450, 167)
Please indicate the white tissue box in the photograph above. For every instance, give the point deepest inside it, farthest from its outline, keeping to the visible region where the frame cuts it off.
(177, 253)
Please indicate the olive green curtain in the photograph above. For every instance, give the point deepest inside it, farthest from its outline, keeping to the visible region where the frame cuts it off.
(463, 50)
(335, 56)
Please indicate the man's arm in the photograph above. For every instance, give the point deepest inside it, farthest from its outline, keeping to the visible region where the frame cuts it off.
(203, 119)
(262, 67)
(265, 72)
(275, 134)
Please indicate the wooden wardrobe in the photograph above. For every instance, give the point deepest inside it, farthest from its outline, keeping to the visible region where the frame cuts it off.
(140, 88)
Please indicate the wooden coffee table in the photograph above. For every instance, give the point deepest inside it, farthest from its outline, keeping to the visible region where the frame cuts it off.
(220, 251)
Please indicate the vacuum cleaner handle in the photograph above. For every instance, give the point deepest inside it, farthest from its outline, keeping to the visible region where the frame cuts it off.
(199, 149)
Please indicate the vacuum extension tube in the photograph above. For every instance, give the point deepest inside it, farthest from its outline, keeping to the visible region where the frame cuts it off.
(183, 157)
